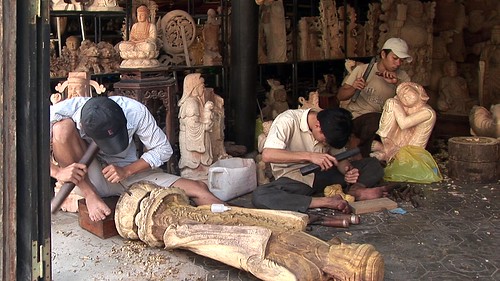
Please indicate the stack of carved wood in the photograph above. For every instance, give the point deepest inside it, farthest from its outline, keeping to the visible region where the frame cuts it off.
(272, 245)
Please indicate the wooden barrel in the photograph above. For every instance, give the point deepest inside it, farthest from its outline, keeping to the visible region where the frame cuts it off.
(474, 159)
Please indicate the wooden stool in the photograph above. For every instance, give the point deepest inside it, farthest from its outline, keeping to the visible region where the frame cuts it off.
(103, 229)
(474, 159)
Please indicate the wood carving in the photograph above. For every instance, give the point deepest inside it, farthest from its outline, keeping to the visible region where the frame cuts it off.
(485, 123)
(453, 91)
(272, 245)
(211, 34)
(78, 84)
(178, 32)
(311, 102)
(331, 42)
(272, 31)
(141, 51)
(406, 119)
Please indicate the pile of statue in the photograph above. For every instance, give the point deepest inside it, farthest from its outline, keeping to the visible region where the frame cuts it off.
(85, 56)
(271, 245)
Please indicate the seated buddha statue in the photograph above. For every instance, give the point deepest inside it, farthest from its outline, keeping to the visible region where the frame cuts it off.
(140, 51)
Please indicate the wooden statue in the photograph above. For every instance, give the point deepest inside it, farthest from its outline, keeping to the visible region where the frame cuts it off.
(104, 5)
(490, 68)
(272, 245)
(211, 33)
(485, 123)
(140, 51)
(330, 41)
(78, 84)
(406, 119)
(276, 101)
(89, 58)
(264, 173)
(272, 31)
(309, 41)
(194, 138)
(70, 53)
(453, 91)
(312, 102)
(109, 59)
(66, 5)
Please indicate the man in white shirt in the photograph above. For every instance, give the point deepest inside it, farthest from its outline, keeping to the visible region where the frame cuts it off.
(112, 124)
(301, 136)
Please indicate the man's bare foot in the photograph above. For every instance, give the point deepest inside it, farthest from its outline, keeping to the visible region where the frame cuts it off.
(98, 210)
(366, 193)
(336, 202)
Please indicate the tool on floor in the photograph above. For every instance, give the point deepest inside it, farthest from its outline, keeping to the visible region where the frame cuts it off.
(306, 170)
(329, 213)
(365, 77)
(328, 221)
(67, 187)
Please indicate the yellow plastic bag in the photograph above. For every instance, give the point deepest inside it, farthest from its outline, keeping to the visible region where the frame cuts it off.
(412, 164)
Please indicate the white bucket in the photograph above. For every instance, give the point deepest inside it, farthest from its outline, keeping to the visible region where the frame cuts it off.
(232, 177)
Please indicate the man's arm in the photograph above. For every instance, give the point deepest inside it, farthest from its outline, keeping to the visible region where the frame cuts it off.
(353, 82)
(273, 155)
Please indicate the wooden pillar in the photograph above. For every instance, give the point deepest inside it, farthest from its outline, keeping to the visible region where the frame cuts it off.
(243, 71)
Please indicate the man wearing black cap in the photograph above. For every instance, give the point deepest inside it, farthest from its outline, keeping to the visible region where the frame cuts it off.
(112, 123)
(302, 136)
(379, 86)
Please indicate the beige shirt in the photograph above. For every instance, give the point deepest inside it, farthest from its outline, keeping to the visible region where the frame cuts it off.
(290, 131)
(376, 92)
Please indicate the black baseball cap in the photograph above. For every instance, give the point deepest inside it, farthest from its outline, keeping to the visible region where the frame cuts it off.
(103, 120)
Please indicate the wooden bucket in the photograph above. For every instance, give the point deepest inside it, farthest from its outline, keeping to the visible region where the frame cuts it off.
(474, 159)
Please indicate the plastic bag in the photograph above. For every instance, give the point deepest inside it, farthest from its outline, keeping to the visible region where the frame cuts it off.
(412, 164)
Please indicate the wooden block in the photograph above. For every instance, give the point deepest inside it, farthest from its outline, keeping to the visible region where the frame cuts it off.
(103, 229)
(373, 205)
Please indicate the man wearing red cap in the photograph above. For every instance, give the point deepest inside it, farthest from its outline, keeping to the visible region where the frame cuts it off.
(112, 123)
(375, 90)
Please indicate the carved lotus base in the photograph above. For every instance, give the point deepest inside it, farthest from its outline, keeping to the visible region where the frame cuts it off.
(139, 63)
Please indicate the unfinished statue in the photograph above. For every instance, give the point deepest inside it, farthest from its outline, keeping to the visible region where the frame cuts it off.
(272, 245)
(140, 51)
(406, 119)
(272, 30)
(195, 124)
(453, 91)
(78, 84)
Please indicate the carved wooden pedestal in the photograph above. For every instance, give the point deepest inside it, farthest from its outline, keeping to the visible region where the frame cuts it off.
(156, 88)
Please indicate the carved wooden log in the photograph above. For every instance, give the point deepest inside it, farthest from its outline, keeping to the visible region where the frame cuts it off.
(272, 245)
(474, 159)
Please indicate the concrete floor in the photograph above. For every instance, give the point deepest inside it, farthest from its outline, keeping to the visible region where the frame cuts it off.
(453, 234)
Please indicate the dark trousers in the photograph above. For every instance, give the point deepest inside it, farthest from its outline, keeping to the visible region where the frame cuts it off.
(364, 128)
(287, 194)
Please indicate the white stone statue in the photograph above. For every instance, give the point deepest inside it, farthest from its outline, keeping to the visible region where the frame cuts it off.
(195, 124)
(140, 51)
(406, 119)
